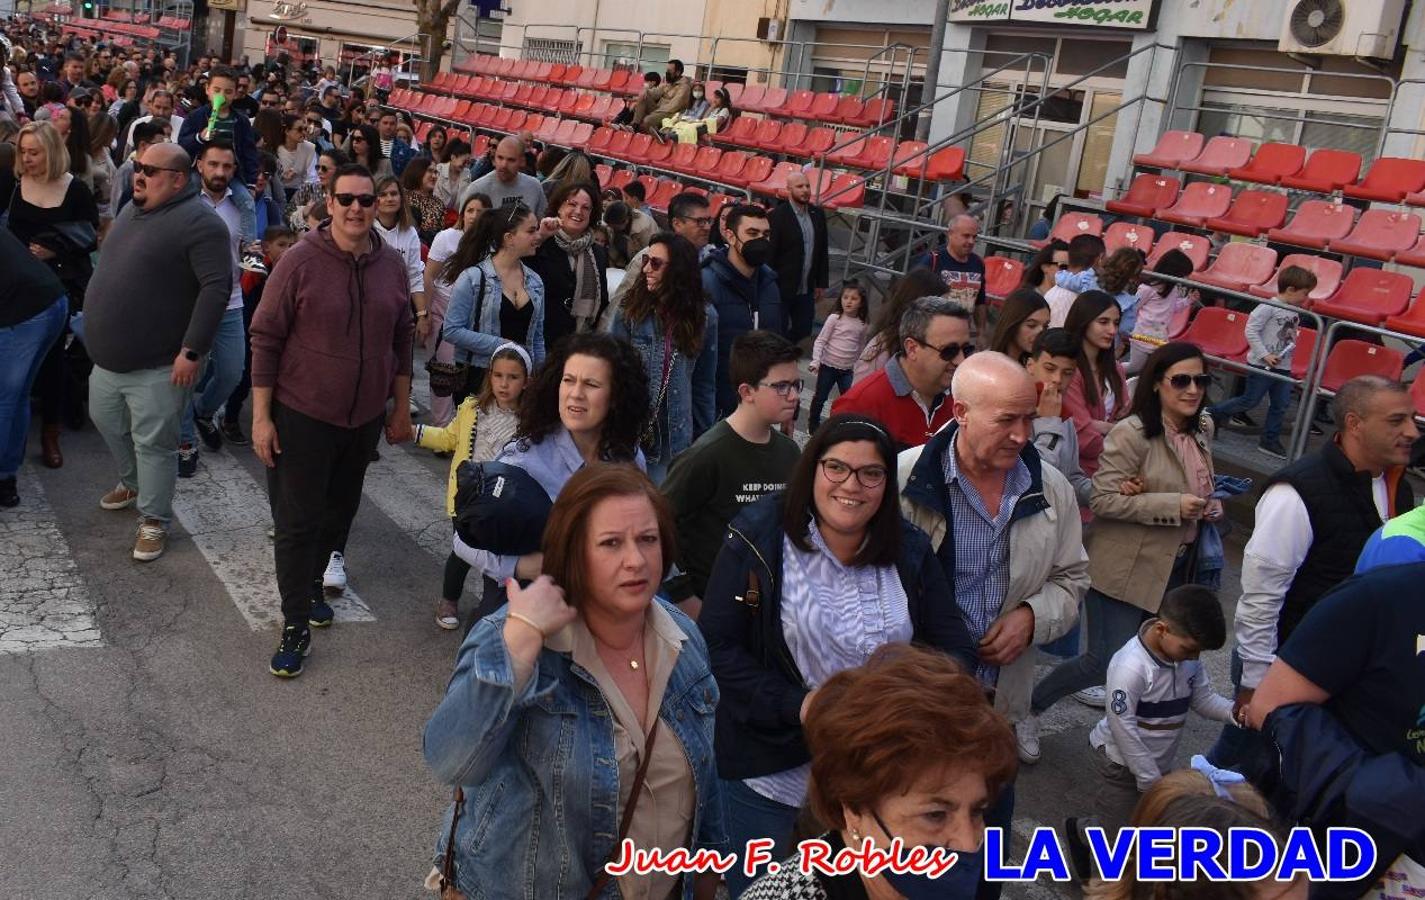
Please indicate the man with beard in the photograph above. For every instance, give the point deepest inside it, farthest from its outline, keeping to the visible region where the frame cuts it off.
(147, 335)
(216, 167)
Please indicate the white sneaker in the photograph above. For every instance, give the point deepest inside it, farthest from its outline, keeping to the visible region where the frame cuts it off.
(1026, 736)
(334, 578)
(1096, 697)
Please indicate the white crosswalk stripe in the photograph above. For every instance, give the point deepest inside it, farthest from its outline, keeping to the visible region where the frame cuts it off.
(225, 511)
(411, 496)
(44, 602)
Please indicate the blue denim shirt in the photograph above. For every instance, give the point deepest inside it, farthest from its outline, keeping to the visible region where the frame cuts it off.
(539, 768)
(692, 388)
(476, 343)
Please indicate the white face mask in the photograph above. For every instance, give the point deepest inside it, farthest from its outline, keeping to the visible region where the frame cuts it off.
(697, 95)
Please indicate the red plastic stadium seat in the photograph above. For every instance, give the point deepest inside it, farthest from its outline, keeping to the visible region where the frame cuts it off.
(1200, 201)
(1240, 265)
(621, 179)
(503, 117)
(791, 140)
(617, 146)
(706, 161)
(947, 164)
(742, 131)
(1272, 163)
(585, 81)
(1369, 296)
(603, 172)
(775, 98)
(571, 76)
(1002, 276)
(876, 112)
(1305, 346)
(845, 191)
(1221, 155)
(667, 190)
(877, 154)
(579, 139)
(717, 201)
(1380, 234)
(752, 96)
(599, 141)
(637, 149)
(819, 140)
(848, 110)
(564, 133)
(734, 92)
(776, 182)
(658, 154)
(1195, 246)
(766, 135)
(1328, 274)
(1148, 193)
(1174, 148)
(823, 108)
(1349, 358)
(795, 106)
(1412, 321)
(1390, 178)
(1127, 234)
(729, 167)
(1252, 212)
(757, 170)
(681, 159)
(1073, 224)
(1415, 256)
(1219, 332)
(1316, 223)
(548, 131)
(601, 110)
(1325, 171)
(618, 83)
(847, 154)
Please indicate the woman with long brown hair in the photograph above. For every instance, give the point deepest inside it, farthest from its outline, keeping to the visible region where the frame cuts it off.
(668, 319)
(885, 331)
(1097, 397)
(1025, 313)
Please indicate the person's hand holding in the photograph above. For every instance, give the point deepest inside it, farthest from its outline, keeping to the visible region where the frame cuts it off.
(264, 442)
(1051, 402)
(398, 426)
(39, 252)
(185, 370)
(1131, 487)
(1102, 427)
(1191, 506)
(422, 330)
(1272, 360)
(1008, 637)
(542, 603)
(1240, 704)
(813, 366)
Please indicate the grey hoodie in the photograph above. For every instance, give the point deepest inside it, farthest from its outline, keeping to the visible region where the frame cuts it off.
(163, 283)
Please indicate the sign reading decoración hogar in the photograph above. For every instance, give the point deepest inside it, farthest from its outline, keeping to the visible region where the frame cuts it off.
(1133, 14)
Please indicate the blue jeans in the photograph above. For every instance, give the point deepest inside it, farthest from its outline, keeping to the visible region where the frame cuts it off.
(1067, 646)
(220, 376)
(22, 349)
(1241, 749)
(747, 815)
(247, 213)
(827, 377)
(1278, 394)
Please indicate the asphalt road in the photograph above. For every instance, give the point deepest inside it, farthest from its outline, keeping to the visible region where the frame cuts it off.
(145, 751)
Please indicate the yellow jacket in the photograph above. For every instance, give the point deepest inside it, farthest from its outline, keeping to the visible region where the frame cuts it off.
(470, 434)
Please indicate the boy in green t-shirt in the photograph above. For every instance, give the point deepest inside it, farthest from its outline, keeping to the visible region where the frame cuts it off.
(734, 462)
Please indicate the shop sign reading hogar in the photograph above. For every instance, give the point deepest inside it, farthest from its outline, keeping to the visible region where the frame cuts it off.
(1132, 14)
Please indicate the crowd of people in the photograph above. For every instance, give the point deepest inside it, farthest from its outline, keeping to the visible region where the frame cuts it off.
(688, 630)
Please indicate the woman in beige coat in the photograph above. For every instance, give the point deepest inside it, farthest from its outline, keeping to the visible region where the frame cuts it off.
(1141, 545)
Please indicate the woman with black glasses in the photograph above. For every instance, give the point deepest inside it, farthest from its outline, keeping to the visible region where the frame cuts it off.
(314, 193)
(1143, 545)
(809, 583)
(363, 146)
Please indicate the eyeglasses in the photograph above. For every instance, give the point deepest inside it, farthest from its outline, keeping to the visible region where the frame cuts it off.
(949, 351)
(324, 168)
(836, 472)
(149, 171)
(654, 263)
(784, 388)
(700, 221)
(1181, 382)
(366, 200)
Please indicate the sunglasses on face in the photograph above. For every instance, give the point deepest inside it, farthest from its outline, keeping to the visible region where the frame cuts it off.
(1182, 382)
(653, 263)
(949, 351)
(149, 171)
(366, 200)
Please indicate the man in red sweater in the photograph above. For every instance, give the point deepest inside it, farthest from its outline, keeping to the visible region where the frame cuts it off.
(331, 343)
(911, 395)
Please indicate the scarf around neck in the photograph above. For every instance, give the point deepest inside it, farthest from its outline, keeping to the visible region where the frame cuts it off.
(585, 301)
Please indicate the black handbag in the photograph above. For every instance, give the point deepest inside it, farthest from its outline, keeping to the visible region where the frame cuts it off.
(448, 379)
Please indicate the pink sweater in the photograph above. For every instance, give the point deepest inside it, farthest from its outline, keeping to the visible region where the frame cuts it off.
(840, 341)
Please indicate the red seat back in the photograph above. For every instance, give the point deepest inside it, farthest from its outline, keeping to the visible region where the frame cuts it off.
(798, 104)
(751, 100)
(792, 138)
(681, 159)
(1305, 346)
(1252, 212)
(1073, 224)
(1196, 247)
(767, 133)
(599, 141)
(1002, 275)
(730, 165)
(1318, 221)
(1247, 264)
(1380, 233)
(823, 107)
(1201, 200)
(1326, 169)
(819, 140)
(757, 169)
(1127, 234)
(1219, 332)
(1374, 292)
(1221, 154)
(1152, 191)
(637, 148)
(1173, 149)
(849, 109)
(775, 98)
(1390, 178)
(1349, 358)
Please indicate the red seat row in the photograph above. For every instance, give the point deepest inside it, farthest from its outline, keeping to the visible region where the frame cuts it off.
(1389, 179)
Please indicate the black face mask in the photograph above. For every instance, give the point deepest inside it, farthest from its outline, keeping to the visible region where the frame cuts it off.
(757, 252)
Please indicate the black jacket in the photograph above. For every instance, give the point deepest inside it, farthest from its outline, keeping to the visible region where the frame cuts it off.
(788, 250)
(1343, 515)
(759, 730)
(553, 267)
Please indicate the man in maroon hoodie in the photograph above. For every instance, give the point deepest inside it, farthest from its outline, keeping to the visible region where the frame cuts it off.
(331, 343)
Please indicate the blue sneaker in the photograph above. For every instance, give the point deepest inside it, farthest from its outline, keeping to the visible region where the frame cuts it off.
(296, 644)
(321, 614)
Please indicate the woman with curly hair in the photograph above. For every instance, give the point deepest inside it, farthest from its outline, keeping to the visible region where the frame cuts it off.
(588, 403)
(673, 327)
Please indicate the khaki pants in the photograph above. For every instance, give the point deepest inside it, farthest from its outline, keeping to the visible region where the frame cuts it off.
(138, 414)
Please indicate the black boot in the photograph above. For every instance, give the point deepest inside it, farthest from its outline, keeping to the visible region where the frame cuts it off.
(8, 495)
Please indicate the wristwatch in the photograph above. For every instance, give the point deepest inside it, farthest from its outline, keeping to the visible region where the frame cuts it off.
(191, 355)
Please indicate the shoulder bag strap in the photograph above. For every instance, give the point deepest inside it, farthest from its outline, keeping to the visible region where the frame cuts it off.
(476, 309)
(603, 879)
(447, 864)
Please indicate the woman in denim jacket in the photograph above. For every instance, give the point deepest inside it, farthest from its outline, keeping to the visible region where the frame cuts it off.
(584, 696)
(674, 328)
(588, 403)
(495, 297)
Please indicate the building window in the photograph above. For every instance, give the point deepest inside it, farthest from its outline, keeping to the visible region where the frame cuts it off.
(552, 51)
(627, 55)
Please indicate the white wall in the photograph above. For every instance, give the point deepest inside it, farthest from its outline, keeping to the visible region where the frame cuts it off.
(903, 12)
(617, 20)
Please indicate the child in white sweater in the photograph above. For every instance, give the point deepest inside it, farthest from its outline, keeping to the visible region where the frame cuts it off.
(834, 353)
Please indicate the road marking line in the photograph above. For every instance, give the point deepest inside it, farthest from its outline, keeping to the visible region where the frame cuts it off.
(411, 496)
(44, 602)
(225, 511)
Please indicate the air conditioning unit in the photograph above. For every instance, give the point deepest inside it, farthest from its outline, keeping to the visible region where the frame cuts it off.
(1369, 28)
(769, 29)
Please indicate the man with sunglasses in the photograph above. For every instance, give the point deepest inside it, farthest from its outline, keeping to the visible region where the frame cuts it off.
(317, 417)
(910, 395)
(148, 335)
(1004, 526)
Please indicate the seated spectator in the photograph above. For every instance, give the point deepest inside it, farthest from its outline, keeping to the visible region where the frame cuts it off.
(903, 747)
(671, 99)
(652, 89)
(910, 396)
(630, 230)
(1159, 303)
(807, 584)
(702, 118)
(1021, 319)
(1085, 251)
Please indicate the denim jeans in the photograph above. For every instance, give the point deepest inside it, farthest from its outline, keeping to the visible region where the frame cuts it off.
(1278, 394)
(221, 375)
(1240, 749)
(22, 348)
(1111, 624)
(138, 415)
(827, 377)
(747, 815)
(247, 212)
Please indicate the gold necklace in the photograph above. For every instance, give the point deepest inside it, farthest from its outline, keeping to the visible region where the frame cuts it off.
(632, 661)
